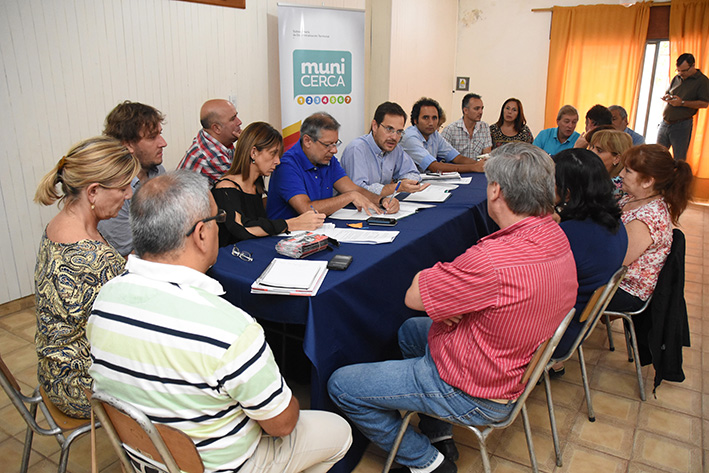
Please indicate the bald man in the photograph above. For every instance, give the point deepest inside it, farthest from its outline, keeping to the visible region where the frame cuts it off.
(212, 150)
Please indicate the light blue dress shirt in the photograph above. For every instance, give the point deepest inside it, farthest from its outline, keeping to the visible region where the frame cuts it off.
(371, 168)
(423, 151)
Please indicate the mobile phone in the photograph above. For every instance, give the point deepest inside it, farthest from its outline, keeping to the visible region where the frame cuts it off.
(339, 262)
(383, 221)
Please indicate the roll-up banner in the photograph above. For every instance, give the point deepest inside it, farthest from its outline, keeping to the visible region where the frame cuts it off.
(322, 68)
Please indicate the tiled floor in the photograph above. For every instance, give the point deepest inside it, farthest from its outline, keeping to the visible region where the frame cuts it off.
(667, 434)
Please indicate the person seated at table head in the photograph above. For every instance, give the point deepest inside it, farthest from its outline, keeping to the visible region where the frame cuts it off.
(200, 362)
(376, 162)
(310, 174)
(620, 123)
(487, 312)
(240, 193)
(553, 140)
(139, 128)
(658, 191)
(74, 261)
(511, 126)
(469, 135)
(590, 218)
(598, 115)
(427, 147)
(212, 149)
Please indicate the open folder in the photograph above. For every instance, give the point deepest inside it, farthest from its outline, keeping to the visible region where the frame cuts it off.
(291, 277)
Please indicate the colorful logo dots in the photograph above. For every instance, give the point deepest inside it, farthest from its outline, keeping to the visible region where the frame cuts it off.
(317, 99)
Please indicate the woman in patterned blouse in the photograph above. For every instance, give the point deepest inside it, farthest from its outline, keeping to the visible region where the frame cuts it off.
(658, 191)
(74, 261)
(511, 126)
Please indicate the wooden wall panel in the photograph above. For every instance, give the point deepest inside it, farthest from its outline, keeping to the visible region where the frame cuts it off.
(66, 63)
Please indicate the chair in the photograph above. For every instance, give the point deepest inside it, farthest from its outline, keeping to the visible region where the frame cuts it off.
(62, 427)
(589, 318)
(140, 444)
(530, 377)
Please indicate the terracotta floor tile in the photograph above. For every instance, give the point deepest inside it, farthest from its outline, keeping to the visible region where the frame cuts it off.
(615, 382)
(660, 421)
(692, 297)
(539, 417)
(618, 408)
(21, 358)
(80, 453)
(578, 459)
(514, 448)
(676, 398)
(611, 438)
(665, 453)
(11, 455)
(18, 320)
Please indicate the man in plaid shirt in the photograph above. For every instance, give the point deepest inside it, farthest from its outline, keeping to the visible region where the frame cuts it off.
(212, 150)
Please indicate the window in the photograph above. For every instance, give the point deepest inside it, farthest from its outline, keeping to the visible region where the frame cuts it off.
(654, 81)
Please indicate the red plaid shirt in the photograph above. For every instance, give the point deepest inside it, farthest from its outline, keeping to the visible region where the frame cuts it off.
(513, 288)
(207, 156)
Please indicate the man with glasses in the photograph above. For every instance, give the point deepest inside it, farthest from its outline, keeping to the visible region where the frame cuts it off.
(428, 148)
(620, 123)
(163, 339)
(309, 175)
(470, 135)
(376, 162)
(688, 92)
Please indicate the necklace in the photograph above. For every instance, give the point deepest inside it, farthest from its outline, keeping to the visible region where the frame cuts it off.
(640, 200)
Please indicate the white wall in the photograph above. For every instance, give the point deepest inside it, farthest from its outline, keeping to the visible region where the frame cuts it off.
(66, 63)
(504, 48)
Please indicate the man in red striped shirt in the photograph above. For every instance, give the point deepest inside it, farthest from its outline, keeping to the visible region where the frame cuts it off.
(488, 311)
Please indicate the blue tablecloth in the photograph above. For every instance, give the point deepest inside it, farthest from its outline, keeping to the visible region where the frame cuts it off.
(357, 312)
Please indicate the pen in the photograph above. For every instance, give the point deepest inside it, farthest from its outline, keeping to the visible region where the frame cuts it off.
(313, 209)
(393, 194)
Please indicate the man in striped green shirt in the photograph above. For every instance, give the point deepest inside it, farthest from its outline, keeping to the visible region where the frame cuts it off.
(163, 340)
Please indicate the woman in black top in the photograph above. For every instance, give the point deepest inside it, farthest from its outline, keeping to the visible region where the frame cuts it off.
(241, 192)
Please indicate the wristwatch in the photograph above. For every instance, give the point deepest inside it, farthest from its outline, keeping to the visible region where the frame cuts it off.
(683, 103)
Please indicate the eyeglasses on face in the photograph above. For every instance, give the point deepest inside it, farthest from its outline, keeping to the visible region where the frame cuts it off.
(243, 255)
(391, 130)
(220, 217)
(329, 145)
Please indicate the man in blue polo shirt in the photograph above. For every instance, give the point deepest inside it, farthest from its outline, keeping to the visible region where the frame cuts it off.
(429, 150)
(564, 136)
(309, 175)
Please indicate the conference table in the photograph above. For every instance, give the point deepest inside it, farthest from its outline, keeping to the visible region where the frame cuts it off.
(355, 316)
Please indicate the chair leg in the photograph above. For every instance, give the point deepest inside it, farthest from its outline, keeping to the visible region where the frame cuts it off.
(628, 345)
(29, 436)
(552, 418)
(483, 455)
(397, 442)
(530, 444)
(611, 347)
(630, 330)
(586, 389)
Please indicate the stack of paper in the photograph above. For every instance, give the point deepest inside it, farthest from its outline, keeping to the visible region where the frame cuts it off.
(288, 277)
(430, 176)
(431, 194)
(349, 235)
(405, 209)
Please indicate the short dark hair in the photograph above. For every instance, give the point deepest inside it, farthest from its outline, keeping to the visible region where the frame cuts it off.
(315, 123)
(585, 188)
(129, 119)
(686, 57)
(466, 99)
(424, 102)
(599, 115)
(388, 108)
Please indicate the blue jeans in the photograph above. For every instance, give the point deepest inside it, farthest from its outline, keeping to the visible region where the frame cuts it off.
(371, 394)
(676, 136)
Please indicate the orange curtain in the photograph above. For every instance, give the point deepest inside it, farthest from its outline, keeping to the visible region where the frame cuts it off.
(595, 56)
(689, 33)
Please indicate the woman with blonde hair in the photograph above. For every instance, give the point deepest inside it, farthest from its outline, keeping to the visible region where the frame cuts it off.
(610, 145)
(241, 191)
(91, 183)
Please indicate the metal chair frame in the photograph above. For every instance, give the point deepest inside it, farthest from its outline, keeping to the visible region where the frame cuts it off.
(163, 444)
(589, 317)
(530, 377)
(63, 428)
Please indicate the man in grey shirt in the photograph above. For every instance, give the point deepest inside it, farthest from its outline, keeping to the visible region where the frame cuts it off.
(139, 128)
